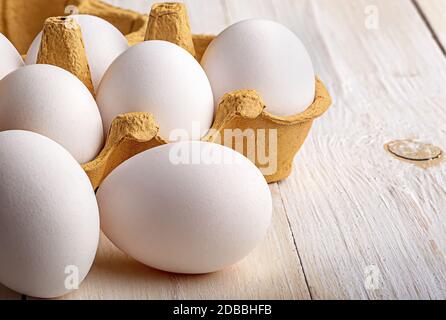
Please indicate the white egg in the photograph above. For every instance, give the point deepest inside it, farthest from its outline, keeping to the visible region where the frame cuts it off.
(103, 43)
(49, 218)
(10, 58)
(163, 79)
(264, 56)
(186, 216)
(51, 101)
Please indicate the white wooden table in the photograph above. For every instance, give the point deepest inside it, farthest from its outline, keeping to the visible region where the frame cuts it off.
(351, 222)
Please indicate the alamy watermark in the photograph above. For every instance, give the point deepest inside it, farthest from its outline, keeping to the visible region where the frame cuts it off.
(258, 145)
(372, 278)
(72, 279)
(372, 17)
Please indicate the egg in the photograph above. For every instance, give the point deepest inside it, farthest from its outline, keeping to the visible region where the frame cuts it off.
(51, 101)
(49, 218)
(264, 56)
(163, 79)
(103, 43)
(188, 207)
(10, 58)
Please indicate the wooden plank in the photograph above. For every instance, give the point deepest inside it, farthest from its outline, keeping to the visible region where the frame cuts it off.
(272, 271)
(434, 11)
(374, 210)
(354, 209)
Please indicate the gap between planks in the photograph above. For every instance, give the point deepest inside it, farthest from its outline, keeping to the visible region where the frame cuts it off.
(429, 25)
(295, 244)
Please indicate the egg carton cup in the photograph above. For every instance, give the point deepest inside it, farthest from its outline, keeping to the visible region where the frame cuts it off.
(133, 133)
(22, 20)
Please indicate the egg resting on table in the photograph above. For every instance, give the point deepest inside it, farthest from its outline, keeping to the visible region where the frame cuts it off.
(187, 207)
(49, 219)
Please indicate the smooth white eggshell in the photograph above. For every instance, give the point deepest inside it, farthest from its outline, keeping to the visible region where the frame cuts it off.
(103, 43)
(49, 217)
(186, 218)
(51, 101)
(10, 59)
(163, 79)
(265, 56)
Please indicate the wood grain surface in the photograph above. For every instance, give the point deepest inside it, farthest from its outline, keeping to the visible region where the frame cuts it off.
(352, 206)
(351, 222)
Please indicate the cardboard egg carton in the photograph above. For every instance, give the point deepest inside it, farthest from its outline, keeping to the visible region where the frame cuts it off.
(240, 114)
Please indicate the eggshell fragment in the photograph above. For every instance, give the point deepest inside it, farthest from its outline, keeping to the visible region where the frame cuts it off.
(265, 56)
(51, 101)
(187, 207)
(49, 219)
(163, 79)
(10, 59)
(103, 43)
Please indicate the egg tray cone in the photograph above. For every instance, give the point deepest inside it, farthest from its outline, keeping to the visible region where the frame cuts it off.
(242, 112)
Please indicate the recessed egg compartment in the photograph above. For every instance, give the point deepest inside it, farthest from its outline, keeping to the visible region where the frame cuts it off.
(239, 113)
